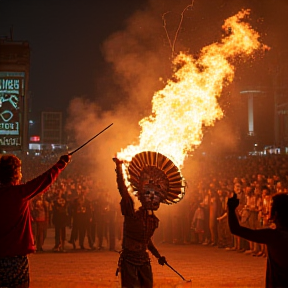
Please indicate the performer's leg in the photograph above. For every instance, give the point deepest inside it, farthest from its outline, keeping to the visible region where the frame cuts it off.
(129, 275)
(145, 276)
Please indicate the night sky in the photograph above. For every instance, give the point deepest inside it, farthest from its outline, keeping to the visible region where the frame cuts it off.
(106, 57)
(65, 39)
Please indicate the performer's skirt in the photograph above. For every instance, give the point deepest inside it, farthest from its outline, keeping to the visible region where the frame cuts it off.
(14, 272)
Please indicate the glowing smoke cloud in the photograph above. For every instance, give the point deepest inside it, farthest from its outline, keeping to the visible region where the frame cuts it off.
(189, 100)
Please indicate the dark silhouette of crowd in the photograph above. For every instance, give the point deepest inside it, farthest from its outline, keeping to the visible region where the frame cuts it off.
(78, 207)
(201, 218)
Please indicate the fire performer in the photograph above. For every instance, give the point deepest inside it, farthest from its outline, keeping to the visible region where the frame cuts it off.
(16, 239)
(154, 179)
(276, 238)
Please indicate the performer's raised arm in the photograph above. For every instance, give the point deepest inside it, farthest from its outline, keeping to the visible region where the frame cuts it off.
(120, 180)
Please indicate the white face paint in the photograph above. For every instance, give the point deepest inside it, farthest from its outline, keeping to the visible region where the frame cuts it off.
(150, 200)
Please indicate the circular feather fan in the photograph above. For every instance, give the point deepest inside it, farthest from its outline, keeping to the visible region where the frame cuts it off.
(152, 170)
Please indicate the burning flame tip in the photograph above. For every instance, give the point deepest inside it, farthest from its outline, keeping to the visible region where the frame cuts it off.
(189, 100)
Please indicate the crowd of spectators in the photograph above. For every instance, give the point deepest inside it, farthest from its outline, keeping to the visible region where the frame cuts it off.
(201, 218)
(79, 204)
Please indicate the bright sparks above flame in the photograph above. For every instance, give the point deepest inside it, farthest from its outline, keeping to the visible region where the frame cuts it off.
(189, 101)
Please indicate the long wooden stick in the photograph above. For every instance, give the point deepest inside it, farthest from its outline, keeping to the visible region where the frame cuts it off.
(90, 139)
(177, 272)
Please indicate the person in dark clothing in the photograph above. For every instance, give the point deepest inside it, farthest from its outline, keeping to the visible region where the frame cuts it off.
(82, 215)
(41, 218)
(94, 207)
(275, 237)
(101, 213)
(16, 238)
(60, 221)
(152, 186)
(112, 209)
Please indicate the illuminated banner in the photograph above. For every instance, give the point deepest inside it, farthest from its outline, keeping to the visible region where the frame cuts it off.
(10, 113)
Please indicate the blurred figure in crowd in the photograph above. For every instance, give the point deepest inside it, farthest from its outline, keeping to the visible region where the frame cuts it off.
(225, 238)
(40, 215)
(60, 220)
(82, 217)
(198, 223)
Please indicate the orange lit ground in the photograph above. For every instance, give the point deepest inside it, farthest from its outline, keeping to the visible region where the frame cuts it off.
(206, 266)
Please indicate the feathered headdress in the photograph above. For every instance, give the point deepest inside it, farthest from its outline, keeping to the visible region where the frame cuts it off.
(153, 171)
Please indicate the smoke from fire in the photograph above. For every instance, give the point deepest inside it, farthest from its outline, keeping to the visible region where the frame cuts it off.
(139, 61)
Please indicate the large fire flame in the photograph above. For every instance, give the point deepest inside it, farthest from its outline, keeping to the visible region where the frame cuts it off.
(189, 100)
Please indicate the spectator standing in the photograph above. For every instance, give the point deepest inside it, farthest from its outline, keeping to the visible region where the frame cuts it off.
(206, 207)
(214, 213)
(254, 204)
(60, 221)
(16, 239)
(41, 218)
(225, 238)
(94, 207)
(238, 242)
(198, 223)
(101, 210)
(275, 238)
(82, 216)
(265, 216)
(111, 221)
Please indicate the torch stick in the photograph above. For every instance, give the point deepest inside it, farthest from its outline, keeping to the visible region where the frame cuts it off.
(177, 272)
(90, 140)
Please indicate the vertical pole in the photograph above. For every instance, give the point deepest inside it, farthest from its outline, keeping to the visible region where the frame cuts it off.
(250, 115)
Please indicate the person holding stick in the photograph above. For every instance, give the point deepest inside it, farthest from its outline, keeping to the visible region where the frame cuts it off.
(275, 237)
(16, 238)
(152, 186)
